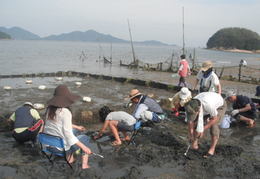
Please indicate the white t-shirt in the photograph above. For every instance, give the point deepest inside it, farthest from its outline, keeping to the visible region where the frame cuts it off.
(210, 102)
(62, 126)
(121, 116)
(211, 81)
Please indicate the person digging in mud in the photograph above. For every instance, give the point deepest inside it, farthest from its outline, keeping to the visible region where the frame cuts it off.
(116, 121)
(207, 79)
(180, 99)
(59, 123)
(205, 111)
(146, 108)
(27, 123)
(243, 108)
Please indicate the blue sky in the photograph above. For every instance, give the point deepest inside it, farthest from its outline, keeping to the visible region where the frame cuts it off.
(149, 19)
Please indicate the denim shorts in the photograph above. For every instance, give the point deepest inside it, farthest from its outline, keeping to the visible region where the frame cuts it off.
(83, 139)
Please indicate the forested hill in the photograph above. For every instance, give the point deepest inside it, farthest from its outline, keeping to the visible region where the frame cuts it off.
(4, 36)
(234, 38)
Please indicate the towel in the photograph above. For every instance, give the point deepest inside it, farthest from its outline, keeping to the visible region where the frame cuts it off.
(200, 125)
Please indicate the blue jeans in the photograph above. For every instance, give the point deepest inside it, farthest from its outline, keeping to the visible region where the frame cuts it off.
(82, 138)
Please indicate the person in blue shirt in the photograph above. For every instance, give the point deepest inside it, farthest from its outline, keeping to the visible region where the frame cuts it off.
(243, 108)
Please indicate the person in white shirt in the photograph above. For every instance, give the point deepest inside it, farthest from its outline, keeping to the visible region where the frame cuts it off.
(59, 123)
(116, 121)
(146, 108)
(205, 111)
(207, 79)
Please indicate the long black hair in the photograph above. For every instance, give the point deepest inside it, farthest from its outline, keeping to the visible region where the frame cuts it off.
(103, 112)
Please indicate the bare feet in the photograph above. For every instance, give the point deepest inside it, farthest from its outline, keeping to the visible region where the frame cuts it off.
(251, 124)
(85, 166)
(116, 143)
(195, 145)
(127, 138)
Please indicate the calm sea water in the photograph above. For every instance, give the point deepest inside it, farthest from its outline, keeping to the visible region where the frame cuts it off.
(17, 57)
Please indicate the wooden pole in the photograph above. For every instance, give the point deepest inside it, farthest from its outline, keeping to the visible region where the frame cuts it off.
(183, 39)
(131, 42)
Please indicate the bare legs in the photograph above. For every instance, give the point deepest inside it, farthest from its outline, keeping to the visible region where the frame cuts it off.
(248, 121)
(113, 127)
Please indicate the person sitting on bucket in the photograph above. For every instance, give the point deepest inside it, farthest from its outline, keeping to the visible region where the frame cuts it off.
(27, 123)
(146, 108)
(180, 99)
(116, 121)
(243, 108)
(205, 111)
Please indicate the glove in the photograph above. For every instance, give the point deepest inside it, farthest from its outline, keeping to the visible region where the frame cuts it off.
(234, 112)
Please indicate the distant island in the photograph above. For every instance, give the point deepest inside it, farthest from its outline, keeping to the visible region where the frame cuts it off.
(235, 40)
(4, 35)
(18, 33)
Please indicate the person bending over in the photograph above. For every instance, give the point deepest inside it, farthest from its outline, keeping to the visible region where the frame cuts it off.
(116, 121)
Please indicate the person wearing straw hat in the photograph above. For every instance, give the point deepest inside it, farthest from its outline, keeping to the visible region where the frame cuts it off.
(27, 123)
(184, 70)
(59, 123)
(207, 79)
(146, 108)
(243, 108)
(205, 111)
(180, 99)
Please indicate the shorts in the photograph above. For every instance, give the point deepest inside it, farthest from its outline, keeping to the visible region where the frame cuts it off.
(27, 135)
(121, 126)
(182, 79)
(214, 130)
(83, 139)
(247, 114)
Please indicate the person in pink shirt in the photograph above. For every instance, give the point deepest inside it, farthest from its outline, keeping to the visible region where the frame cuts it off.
(183, 71)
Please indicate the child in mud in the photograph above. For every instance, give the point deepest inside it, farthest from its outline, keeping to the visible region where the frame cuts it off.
(243, 108)
(27, 123)
(116, 121)
(59, 123)
(205, 111)
(146, 108)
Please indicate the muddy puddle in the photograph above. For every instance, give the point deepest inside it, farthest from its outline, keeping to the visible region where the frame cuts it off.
(157, 152)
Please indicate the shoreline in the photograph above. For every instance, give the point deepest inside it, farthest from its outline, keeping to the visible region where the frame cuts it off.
(235, 50)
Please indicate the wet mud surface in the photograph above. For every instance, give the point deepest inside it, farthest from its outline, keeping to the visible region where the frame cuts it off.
(157, 151)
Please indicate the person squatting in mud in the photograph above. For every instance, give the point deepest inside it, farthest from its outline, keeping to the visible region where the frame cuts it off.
(116, 121)
(205, 111)
(179, 100)
(27, 123)
(146, 109)
(207, 79)
(59, 123)
(243, 108)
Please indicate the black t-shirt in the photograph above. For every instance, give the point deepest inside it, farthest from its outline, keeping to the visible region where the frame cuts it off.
(242, 101)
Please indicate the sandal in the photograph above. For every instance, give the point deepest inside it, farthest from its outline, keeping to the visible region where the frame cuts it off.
(115, 143)
(207, 156)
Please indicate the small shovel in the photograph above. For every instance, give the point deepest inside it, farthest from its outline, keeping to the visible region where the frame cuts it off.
(185, 154)
(101, 156)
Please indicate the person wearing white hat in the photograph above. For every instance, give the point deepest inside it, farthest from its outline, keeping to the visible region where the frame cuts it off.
(27, 123)
(180, 99)
(146, 108)
(207, 79)
(243, 108)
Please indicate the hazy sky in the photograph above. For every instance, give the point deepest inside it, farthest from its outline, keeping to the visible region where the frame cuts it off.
(149, 19)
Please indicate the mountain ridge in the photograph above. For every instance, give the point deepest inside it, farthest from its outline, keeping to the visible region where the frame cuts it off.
(85, 36)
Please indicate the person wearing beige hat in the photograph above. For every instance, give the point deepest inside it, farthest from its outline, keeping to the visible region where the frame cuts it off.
(180, 99)
(59, 123)
(146, 108)
(207, 79)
